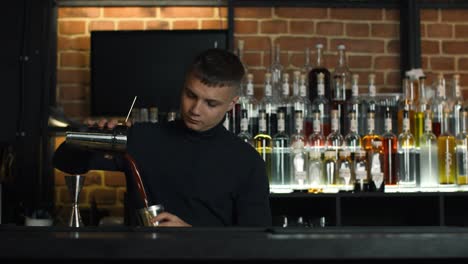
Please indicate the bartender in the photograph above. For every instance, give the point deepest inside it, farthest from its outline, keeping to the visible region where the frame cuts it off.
(201, 173)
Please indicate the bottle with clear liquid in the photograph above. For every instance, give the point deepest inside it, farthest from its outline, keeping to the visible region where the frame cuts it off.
(298, 102)
(319, 67)
(307, 65)
(406, 104)
(245, 134)
(342, 77)
(334, 140)
(422, 106)
(446, 153)
(276, 70)
(360, 172)
(356, 105)
(407, 157)
(321, 104)
(376, 174)
(352, 139)
(316, 141)
(281, 156)
(456, 104)
(285, 104)
(428, 154)
(462, 149)
(307, 105)
(390, 148)
(372, 104)
(438, 105)
(299, 155)
(263, 143)
(250, 103)
(345, 180)
(316, 176)
(330, 168)
(269, 105)
(235, 112)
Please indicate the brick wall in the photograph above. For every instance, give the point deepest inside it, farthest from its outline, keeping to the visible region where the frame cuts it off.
(371, 37)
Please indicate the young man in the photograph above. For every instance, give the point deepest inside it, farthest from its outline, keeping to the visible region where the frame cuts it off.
(201, 173)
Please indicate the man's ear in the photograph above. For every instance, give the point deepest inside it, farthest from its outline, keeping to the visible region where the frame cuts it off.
(233, 102)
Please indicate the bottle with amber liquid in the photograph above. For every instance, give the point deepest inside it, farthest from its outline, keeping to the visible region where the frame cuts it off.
(370, 137)
(438, 105)
(389, 145)
(462, 149)
(446, 153)
(263, 142)
(421, 107)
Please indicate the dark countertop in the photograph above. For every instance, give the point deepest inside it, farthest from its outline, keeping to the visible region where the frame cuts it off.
(233, 244)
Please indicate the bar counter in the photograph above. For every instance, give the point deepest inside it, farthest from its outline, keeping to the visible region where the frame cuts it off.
(280, 245)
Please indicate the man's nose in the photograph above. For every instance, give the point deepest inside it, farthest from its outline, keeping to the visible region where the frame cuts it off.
(196, 107)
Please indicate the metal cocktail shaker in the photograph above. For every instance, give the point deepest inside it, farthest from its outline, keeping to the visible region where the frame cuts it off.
(110, 140)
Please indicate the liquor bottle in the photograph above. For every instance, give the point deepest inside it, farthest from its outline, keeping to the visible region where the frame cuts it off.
(462, 149)
(428, 154)
(249, 103)
(342, 86)
(297, 101)
(263, 143)
(316, 141)
(276, 70)
(235, 112)
(269, 105)
(281, 160)
(307, 66)
(299, 155)
(422, 106)
(390, 147)
(406, 104)
(321, 104)
(316, 176)
(339, 102)
(245, 134)
(307, 106)
(345, 181)
(370, 137)
(352, 140)
(226, 121)
(360, 172)
(446, 153)
(438, 105)
(455, 103)
(319, 67)
(376, 160)
(356, 105)
(334, 139)
(330, 167)
(406, 155)
(285, 104)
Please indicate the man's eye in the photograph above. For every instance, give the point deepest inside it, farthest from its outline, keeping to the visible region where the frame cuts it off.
(190, 94)
(211, 104)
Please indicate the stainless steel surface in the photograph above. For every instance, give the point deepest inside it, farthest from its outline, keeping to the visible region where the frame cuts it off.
(147, 214)
(75, 184)
(99, 141)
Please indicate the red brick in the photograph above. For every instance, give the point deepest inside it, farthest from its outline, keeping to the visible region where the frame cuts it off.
(73, 43)
(302, 27)
(76, 110)
(463, 64)
(393, 78)
(245, 27)
(297, 60)
(464, 83)
(330, 60)
(66, 12)
(429, 15)
(157, 24)
(222, 12)
(360, 45)
(256, 43)
(422, 30)
(461, 31)
(130, 25)
(430, 47)
(442, 64)
(249, 12)
(455, 47)
(439, 30)
(385, 30)
(74, 59)
(356, 13)
(387, 62)
(364, 76)
(424, 62)
(127, 12)
(273, 27)
(392, 14)
(185, 24)
(267, 58)
(121, 195)
(72, 27)
(104, 196)
(192, 12)
(357, 30)
(73, 92)
(253, 59)
(101, 25)
(73, 76)
(114, 179)
(454, 15)
(330, 28)
(393, 46)
(363, 62)
(214, 24)
(295, 13)
(298, 43)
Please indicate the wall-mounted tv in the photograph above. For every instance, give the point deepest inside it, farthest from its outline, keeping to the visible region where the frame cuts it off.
(150, 64)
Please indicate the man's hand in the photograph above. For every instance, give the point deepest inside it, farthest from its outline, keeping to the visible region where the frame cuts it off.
(104, 123)
(169, 220)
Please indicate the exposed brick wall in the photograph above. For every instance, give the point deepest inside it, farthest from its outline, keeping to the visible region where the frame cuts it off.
(371, 37)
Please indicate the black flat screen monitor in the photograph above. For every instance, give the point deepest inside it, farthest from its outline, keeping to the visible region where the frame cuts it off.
(148, 64)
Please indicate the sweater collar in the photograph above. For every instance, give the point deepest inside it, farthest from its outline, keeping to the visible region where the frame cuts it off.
(210, 133)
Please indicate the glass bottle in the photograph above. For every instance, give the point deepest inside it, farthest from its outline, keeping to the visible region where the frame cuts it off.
(371, 104)
(263, 143)
(438, 105)
(406, 155)
(360, 172)
(330, 167)
(376, 160)
(281, 160)
(446, 153)
(462, 149)
(245, 134)
(390, 147)
(356, 105)
(456, 104)
(316, 176)
(321, 104)
(316, 141)
(342, 72)
(307, 106)
(276, 70)
(370, 137)
(319, 67)
(249, 103)
(345, 181)
(352, 140)
(428, 154)
(334, 139)
(285, 104)
(227, 121)
(406, 104)
(299, 155)
(422, 106)
(269, 105)
(307, 65)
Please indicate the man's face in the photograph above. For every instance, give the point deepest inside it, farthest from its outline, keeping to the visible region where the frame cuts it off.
(203, 107)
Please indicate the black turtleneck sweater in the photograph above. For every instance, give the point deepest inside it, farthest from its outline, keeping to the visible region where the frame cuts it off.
(209, 178)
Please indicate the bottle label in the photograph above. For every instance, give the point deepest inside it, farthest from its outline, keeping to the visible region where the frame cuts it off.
(372, 90)
(353, 125)
(268, 90)
(281, 125)
(334, 124)
(316, 125)
(427, 124)
(320, 89)
(244, 125)
(388, 124)
(370, 124)
(406, 124)
(457, 91)
(262, 125)
(299, 124)
(355, 90)
(361, 174)
(250, 89)
(345, 173)
(285, 89)
(441, 90)
(303, 90)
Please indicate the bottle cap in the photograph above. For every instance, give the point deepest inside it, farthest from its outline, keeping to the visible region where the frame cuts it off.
(319, 46)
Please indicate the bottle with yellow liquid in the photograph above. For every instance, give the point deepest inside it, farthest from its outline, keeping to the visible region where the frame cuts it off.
(462, 149)
(446, 153)
(422, 106)
(263, 142)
